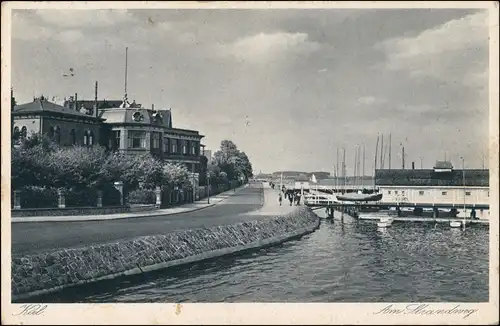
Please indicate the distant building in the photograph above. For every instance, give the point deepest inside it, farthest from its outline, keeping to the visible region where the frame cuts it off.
(208, 154)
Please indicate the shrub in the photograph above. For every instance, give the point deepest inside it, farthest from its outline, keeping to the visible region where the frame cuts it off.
(39, 197)
(81, 198)
(142, 196)
(110, 196)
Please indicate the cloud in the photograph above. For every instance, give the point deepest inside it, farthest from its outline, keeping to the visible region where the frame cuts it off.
(23, 28)
(263, 47)
(81, 18)
(456, 51)
(370, 100)
(69, 36)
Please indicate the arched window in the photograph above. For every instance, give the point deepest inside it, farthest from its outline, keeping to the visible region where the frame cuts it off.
(24, 131)
(15, 133)
(72, 136)
(57, 133)
(85, 138)
(91, 138)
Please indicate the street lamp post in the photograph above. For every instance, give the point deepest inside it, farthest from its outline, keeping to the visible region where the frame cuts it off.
(208, 188)
(463, 182)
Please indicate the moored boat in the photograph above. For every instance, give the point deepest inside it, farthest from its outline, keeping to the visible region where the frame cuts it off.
(359, 197)
(383, 224)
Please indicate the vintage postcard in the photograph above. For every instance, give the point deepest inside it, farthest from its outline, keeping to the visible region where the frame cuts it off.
(250, 163)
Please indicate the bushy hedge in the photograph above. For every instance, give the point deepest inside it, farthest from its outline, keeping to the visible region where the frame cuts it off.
(81, 198)
(142, 196)
(39, 197)
(82, 171)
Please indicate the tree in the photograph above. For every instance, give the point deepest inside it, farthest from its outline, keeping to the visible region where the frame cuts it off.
(233, 162)
(203, 170)
(176, 174)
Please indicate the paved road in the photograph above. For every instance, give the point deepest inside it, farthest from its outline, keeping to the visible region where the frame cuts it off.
(29, 238)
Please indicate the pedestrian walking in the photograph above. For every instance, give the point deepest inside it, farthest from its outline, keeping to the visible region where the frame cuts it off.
(280, 199)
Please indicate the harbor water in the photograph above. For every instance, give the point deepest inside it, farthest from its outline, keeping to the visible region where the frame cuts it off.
(349, 261)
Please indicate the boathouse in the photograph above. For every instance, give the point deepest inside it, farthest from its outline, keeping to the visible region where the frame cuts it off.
(441, 185)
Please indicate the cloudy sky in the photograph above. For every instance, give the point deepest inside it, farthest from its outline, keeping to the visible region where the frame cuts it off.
(289, 87)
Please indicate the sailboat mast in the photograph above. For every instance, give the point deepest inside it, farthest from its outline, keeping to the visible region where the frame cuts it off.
(375, 165)
(359, 165)
(337, 170)
(403, 157)
(381, 151)
(355, 165)
(364, 158)
(390, 142)
(344, 171)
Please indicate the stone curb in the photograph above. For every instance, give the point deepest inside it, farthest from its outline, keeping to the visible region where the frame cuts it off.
(187, 260)
(35, 219)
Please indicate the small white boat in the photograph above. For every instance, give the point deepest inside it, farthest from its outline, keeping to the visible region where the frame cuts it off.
(455, 224)
(387, 219)
(383, 224)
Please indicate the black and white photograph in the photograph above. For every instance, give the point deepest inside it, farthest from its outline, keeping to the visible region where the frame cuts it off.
(296, 162)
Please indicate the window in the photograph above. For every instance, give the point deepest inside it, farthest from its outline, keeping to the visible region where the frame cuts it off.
(184, 147)
(421, 193)
(389, 192)
(57, 135)
(16, 134)
(467, 193)
(85, 138)
(156, 139)
(24, 132)
(174, 146)
(136, 139)
(52, 133)
(403, 192)
(396, 192)
(193, 148)
(117, 138)
(72, 136)
(91, 138)
(166, 145)
(444, 193)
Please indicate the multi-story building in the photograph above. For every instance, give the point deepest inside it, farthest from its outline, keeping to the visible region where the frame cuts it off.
(128, 128)
(65, 126)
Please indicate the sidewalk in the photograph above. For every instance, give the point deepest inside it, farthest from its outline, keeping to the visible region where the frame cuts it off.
(197, 205)
(271, 204)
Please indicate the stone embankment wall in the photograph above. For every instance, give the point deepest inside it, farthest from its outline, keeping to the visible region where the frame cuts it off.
(49, 272)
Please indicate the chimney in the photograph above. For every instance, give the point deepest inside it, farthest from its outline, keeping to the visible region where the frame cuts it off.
(96, 114)
(413, 165)
(152, 107)
(76, 102)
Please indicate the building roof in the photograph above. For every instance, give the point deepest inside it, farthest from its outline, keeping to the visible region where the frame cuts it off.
(443, 165)
(428, 177)
(41, 104)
